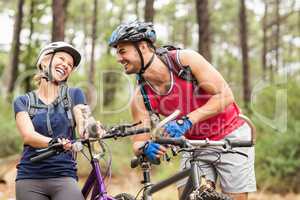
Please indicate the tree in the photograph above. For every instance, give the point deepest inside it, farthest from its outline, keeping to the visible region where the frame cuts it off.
(264, 42)
(59, 13)
(203, 28)
(149, 10)
(136, 9)
(10, 73)
(244, 48)
(277, 34)
(91, 77)
(28, 61)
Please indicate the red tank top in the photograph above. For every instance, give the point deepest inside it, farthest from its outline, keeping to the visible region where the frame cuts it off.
(183, 95)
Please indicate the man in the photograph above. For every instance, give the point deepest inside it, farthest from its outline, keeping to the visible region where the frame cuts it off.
(183, 79)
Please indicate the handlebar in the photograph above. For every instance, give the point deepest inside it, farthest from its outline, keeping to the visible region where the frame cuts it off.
(47, 152)
(114, 132)
(192, 145)
(185, 143)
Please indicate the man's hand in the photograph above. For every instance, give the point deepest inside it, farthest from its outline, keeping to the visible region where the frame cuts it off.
(153, 150)
(179, 127)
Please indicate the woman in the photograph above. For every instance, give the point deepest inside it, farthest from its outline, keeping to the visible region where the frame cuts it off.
(44, 117)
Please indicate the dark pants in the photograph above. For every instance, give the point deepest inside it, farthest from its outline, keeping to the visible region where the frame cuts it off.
(65, 188)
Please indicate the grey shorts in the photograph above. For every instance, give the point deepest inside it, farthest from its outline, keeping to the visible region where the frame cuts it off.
(65, 188)
(235, 171)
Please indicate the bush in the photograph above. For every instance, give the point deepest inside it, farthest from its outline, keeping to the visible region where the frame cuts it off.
(278, 161)
(10, 140)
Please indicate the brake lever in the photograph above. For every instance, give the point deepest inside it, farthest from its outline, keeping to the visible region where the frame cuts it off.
(157, 132)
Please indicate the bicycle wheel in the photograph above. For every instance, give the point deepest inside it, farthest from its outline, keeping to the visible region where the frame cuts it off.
(213, 195)
(124, 196)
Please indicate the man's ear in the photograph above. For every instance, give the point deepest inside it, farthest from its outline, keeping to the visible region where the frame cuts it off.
(143, 46)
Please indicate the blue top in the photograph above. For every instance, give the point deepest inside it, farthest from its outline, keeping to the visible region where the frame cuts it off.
(61, 165)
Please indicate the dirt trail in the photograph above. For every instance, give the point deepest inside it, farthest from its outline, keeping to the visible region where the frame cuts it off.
(129, 184)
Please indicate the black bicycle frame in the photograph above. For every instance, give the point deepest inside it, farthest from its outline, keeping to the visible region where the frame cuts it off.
(193, 181)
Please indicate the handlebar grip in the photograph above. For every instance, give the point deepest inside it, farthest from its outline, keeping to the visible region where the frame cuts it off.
(135, 162)
(43, 156)
(239, 143)
(126, 133)
(172, 141)
(92, 130)
(137, 131)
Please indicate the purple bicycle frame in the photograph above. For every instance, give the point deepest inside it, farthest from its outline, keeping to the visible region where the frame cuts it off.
(96, 182)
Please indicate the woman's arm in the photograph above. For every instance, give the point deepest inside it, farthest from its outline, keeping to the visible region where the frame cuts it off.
(79, 119)
(211, 81)
(29, 135)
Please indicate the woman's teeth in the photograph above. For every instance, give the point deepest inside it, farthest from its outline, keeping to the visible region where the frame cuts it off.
(62, 72)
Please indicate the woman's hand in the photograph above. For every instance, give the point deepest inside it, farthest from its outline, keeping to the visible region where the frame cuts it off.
(100, 129)
(67, 145)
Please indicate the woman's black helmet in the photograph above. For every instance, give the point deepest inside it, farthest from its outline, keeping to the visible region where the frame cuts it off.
(133, 32)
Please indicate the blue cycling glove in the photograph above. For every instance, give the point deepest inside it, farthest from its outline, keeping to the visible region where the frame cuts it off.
(151, 150)
(177, 128)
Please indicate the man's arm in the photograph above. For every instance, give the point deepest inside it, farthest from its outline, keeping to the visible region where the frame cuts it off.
(211, 81)
(140, 113)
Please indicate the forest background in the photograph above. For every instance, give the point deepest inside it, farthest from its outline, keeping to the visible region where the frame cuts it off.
(255, 44)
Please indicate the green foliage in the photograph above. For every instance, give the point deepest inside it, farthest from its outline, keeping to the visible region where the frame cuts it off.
(278, 160)
(3, 62)
(10, 141)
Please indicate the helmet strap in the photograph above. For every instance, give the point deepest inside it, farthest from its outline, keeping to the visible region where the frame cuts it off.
(48, 76)
(143, 66)
(147, 65)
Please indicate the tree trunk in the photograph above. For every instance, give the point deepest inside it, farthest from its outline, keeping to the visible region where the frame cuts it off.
(91, 78)
(265, 42)
(203, 28)
(10, 73)
(185, 39)
(85, 29)
(29, 46)
(149, 10)
(111, 81)
(244, 48)
(59, 14)
(136, 9)
(277, 35)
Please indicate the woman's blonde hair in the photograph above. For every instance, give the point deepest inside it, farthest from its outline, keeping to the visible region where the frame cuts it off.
(37, 78)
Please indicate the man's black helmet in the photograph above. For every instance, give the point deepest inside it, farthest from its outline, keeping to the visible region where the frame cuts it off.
(133, 32)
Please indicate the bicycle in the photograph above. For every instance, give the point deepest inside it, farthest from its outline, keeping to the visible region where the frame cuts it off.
(195, 189)
(94, 187)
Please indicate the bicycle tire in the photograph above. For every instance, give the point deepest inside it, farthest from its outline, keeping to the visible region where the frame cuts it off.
(213, 195)
(124, 196)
